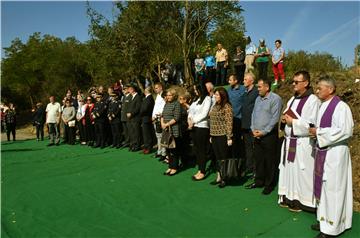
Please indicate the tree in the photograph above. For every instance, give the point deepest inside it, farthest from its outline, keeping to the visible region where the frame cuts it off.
(201, 18)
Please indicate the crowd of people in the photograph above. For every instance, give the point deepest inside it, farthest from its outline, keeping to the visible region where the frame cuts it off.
(206, 126)
(215, 68)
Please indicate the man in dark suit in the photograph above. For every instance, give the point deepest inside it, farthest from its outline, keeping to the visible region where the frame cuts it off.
(114, 119)
(99, 114)
(133, 114)
(146, 109)
(125, 100)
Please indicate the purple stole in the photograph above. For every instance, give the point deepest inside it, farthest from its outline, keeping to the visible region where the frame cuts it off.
(293, 139)
(320, 155)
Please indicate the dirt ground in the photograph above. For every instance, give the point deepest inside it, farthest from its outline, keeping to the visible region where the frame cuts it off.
(23, 133)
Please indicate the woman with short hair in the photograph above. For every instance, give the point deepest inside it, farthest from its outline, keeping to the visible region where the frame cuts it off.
(170, 119)
(68, 117)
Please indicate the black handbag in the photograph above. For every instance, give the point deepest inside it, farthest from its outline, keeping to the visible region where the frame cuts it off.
(158, 128)
(230, 168)
(168, 139)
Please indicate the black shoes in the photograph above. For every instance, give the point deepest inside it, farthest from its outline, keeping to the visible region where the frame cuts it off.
(162, 158)
(322, 235)
(51, 144)
(124, 145)
(298, 209)
(215, 182)
(253, 185)
(267, 191)
(222, 184)
(315, 227)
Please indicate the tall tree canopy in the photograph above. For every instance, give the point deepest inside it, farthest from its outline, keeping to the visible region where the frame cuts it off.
(135, 44)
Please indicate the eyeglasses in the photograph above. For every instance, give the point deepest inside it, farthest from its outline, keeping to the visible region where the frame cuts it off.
(297, 82)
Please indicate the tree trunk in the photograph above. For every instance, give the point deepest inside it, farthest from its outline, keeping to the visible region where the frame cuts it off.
(185, 45)
(31, 101)
(159, 68)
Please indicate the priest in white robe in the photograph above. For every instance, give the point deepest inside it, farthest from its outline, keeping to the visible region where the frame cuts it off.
(296, 166)
(332, 173)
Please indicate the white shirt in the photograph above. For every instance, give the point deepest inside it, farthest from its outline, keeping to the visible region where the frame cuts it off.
(81, 111)
(134, 95)
(159, 105)
(199, 113)
(53, 111)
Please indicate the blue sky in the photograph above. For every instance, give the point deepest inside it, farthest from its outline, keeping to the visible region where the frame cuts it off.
(322, 26)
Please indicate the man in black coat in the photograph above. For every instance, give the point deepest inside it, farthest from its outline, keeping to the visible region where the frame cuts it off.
(146, 109)
(99, 114)
(246, 111)
(133, 114)
(125, 100)
(39, 118)
(114, 119)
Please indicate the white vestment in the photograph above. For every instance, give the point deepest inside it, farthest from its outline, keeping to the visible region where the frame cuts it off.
(335, 208)
(296, 178)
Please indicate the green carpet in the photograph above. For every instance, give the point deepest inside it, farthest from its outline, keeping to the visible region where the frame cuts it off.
(76, 191)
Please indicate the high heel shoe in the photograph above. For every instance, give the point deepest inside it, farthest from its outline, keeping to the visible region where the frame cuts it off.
(194, 178)
(167, 172)
(172, 174)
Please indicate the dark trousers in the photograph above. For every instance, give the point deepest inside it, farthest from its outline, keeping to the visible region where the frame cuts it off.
(126, 138)
(39, 131)
(248, 149)
(238, 143)
(220, 147)
(89, 133)
(64, 137)
(10, 128)
(239, 71)
(108, 133)
(265, 154)
(220, 73)
(82, 131)
(70, 134)
(262, 69)
(201, 140)
(210, 74)
(116, 133)
(134, 134)
(148, 135)
(175, 154)
(199, 77)
(99, 134)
